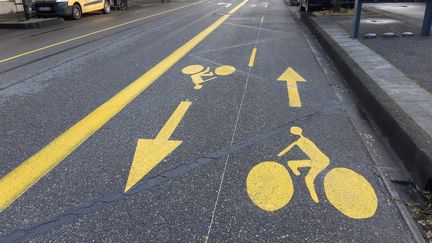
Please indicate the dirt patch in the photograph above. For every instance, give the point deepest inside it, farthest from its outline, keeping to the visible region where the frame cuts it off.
(422, 213)
(342, 12)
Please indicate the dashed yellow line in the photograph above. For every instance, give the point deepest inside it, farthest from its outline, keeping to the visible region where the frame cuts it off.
(95, 32)
(20, 179)
(262, 19)
(252, 57)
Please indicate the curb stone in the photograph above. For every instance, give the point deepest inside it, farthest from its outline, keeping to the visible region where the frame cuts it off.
(408, 139)
(31, 25)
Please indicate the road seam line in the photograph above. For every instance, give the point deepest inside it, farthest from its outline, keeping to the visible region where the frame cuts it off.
(206, 238)
(20, 179)
(148, 184)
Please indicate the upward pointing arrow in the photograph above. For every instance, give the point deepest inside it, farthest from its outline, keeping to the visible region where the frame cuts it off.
(150, 152)
(292, 77)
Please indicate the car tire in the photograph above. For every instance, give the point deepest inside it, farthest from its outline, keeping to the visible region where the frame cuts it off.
(293, 3)
(76, 12)
(107, 7)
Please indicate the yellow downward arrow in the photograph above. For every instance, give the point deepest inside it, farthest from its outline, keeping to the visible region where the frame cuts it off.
(292, 77)
(150, 152)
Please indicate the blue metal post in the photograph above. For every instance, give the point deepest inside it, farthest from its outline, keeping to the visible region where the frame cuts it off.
(357, 16)
(427, 20)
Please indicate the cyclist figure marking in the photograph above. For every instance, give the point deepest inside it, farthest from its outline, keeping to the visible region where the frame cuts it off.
(317, 162)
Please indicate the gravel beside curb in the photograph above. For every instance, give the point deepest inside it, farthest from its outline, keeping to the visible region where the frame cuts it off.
(407, 137)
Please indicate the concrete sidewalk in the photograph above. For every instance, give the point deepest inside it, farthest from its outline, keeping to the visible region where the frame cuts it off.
(391, 78)
(410, 12)
(410, 55)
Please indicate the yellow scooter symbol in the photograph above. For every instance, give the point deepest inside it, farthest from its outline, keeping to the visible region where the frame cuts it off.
(197, 73)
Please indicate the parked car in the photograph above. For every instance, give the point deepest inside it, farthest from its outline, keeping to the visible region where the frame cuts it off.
(70, 8)
(311, 5)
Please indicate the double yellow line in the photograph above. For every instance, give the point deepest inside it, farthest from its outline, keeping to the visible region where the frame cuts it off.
(34, 168)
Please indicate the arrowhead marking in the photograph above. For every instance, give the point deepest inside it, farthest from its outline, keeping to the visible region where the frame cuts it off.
(148, 153)
(291, 76)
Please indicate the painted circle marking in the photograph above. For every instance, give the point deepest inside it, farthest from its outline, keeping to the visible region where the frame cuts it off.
(192, 69)
(224, 70)
(269, 186)
(350, 193)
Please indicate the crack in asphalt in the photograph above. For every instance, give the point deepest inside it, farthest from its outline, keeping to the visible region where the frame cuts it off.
(147, 184)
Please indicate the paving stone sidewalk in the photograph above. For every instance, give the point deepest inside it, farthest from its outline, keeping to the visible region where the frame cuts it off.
(412, 55)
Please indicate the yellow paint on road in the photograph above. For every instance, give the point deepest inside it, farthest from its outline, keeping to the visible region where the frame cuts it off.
(350, 193)
(262, 19)
(150, 152)
(317, 162)
(269, 186)
(96, 32)
(252, 58)
(291, 77)
(20, 179)
(197, 73)
(173, 121)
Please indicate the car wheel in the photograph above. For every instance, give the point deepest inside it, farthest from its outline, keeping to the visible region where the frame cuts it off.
(76, 12)
(107, 7)
(293, 2)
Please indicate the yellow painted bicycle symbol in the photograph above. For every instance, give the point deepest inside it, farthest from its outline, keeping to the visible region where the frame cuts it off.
(270, 187)
(198, 73)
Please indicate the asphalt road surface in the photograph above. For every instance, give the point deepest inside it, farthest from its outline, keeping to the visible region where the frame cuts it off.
(205, 121)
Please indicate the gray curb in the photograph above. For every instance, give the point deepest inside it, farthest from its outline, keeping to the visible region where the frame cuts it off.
(411, 143)
(31, 25)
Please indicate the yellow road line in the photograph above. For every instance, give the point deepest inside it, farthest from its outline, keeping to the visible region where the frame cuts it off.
(252, 58)
(95, 32)
(173, 122)
(262, 19)
(34, 168)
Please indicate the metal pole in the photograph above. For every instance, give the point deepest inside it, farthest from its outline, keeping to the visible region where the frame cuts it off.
(427, 20)
(27, 7)
(357, 16)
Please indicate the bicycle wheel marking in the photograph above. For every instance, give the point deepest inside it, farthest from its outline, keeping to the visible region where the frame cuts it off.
(350, 193)
(269, 186)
